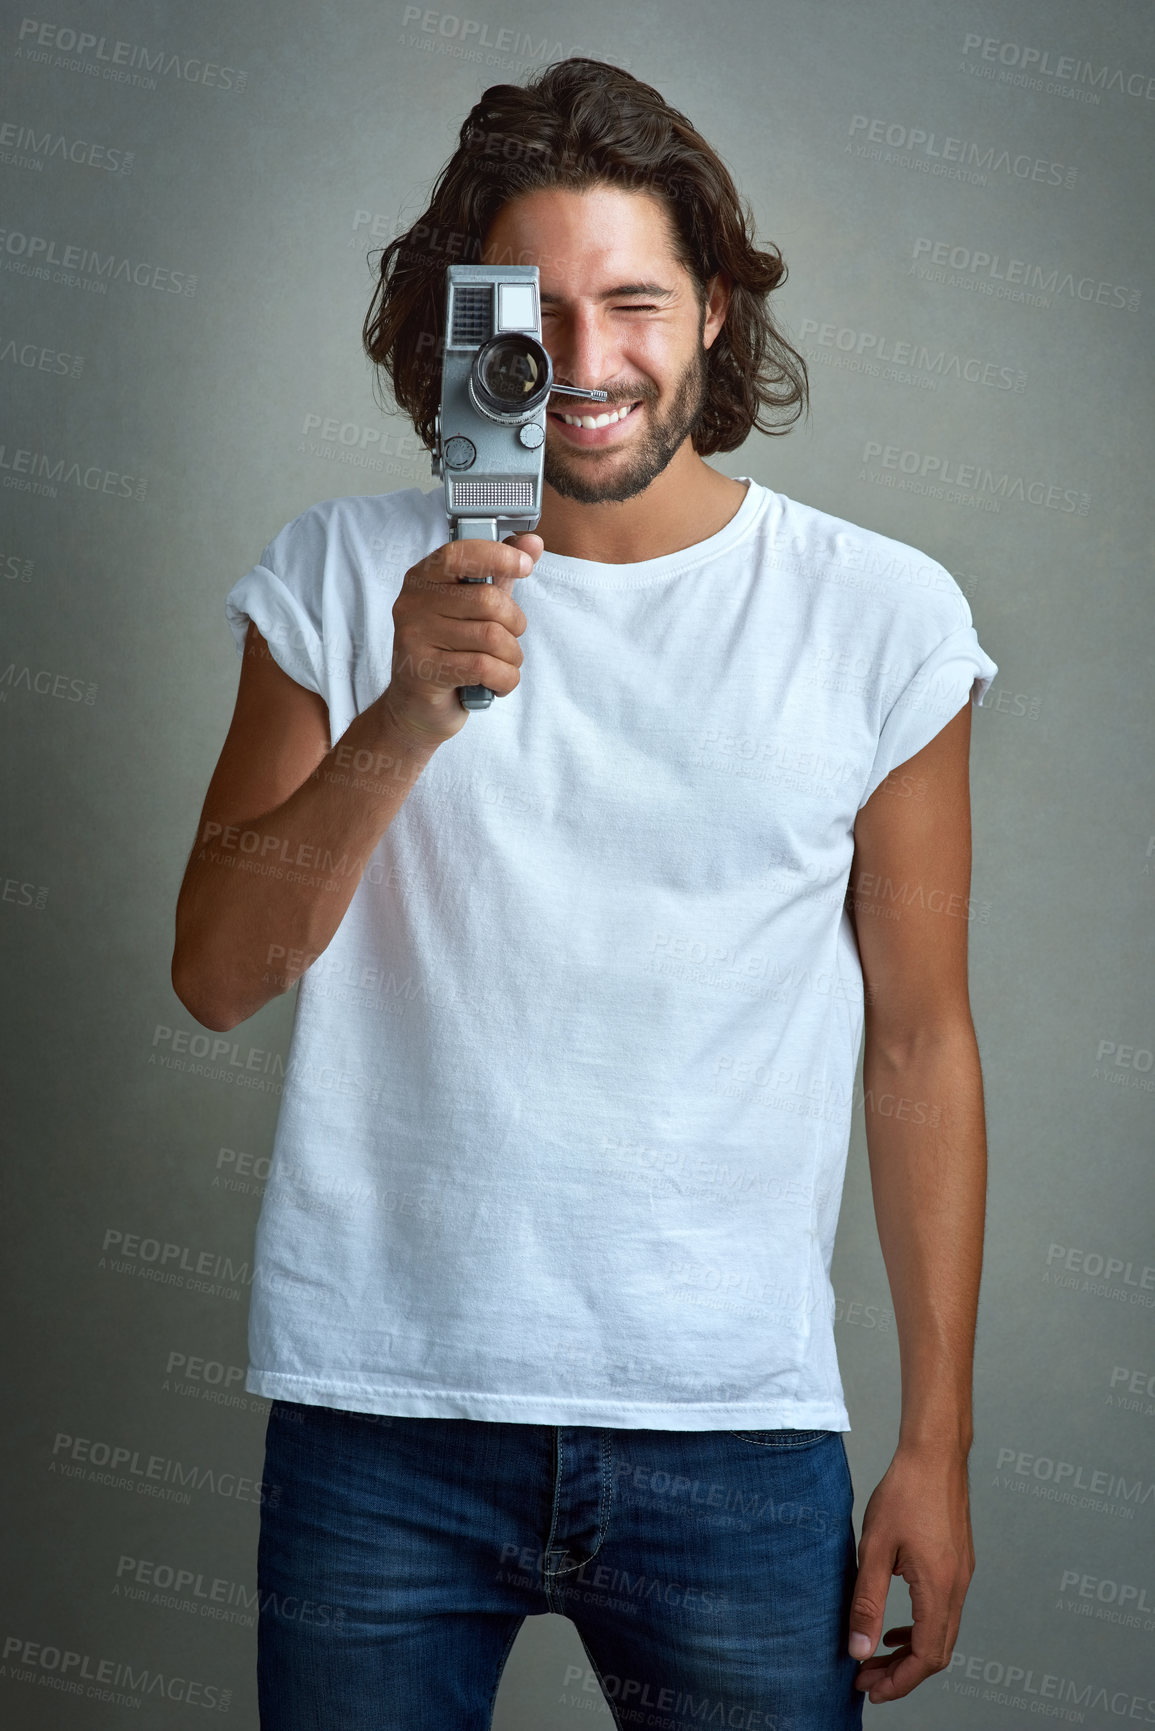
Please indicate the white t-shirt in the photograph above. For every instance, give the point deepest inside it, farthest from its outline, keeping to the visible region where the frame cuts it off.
(568, 1100)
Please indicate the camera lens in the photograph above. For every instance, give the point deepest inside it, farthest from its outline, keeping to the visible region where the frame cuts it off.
(511, 376)
(510, 372)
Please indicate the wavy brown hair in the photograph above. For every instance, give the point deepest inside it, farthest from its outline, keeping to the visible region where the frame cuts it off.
(577, 124)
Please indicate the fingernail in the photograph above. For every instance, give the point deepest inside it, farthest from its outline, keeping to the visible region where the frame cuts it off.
(861, 1646)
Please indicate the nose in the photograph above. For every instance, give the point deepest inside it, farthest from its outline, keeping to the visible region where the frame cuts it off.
(584, 353)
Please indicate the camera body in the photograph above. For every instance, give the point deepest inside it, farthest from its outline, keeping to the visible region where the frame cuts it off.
(495, 382)
(489, 434)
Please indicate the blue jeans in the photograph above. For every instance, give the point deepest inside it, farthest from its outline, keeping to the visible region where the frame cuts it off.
(708, 1573)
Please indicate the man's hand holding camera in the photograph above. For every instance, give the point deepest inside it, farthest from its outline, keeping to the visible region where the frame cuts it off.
(447, 633)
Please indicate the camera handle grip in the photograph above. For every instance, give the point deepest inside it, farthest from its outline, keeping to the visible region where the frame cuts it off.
(474, 529)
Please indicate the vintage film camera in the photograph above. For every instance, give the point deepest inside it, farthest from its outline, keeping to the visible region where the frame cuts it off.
(496, 382)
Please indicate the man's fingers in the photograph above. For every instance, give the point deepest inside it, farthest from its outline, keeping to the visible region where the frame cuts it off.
(925, 1649)
(474, 558)
(531, 544)
(868, 1606)
(933, 1612)
(880, 1665)
(893, 1638)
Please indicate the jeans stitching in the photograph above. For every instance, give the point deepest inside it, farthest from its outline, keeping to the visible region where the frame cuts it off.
(801, 1439)
(549, 1580)
(605, 1500)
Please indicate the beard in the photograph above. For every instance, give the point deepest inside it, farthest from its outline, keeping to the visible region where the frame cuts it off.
(607, 476)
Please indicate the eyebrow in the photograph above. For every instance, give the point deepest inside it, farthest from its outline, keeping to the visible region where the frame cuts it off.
(653, 289)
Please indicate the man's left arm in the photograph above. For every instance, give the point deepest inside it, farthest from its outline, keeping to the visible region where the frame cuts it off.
(910, 900)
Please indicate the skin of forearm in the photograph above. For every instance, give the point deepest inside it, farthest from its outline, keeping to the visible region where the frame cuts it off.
(926, 1141)
(261, 899)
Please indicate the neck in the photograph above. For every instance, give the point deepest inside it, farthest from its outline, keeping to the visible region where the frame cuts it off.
(687, 503)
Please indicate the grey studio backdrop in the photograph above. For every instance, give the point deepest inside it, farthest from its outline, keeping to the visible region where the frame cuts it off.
(963, 196)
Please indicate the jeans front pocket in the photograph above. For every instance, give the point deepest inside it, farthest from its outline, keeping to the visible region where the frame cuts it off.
(783, 1439)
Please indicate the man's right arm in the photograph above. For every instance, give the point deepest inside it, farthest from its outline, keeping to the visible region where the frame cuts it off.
(289, 823)
(287, 829)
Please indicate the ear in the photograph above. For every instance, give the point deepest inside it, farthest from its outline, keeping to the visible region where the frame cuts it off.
(717, 304)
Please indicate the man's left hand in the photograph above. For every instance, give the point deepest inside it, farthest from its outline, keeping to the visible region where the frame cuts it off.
(917, 1525)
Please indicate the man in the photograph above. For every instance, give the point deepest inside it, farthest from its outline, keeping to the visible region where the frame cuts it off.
(542, 1294)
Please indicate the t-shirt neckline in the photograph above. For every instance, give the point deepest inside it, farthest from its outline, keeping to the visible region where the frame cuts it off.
(592, 574)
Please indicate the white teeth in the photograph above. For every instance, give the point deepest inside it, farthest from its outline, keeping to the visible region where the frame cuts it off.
(598, 420)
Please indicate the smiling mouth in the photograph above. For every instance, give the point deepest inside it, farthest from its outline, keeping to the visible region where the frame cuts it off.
(603, 418)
